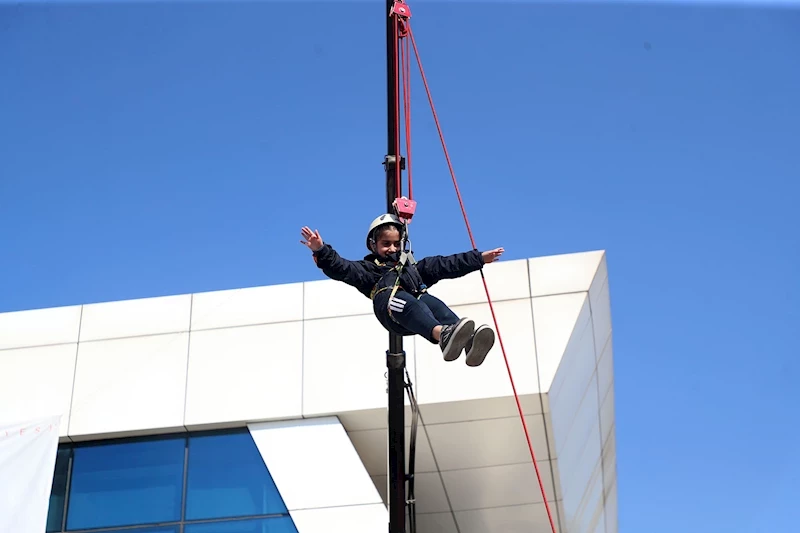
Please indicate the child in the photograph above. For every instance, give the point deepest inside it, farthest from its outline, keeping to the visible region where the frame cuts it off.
(404, 306)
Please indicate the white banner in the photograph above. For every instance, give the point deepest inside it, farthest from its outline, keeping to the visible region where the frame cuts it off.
(27, 464)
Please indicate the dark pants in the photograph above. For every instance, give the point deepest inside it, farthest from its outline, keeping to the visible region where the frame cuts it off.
(410, 315)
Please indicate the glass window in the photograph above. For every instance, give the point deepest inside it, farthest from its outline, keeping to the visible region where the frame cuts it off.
(227, 477)
(282, 524)
(58, 491)
(159, 529)
(126, 483)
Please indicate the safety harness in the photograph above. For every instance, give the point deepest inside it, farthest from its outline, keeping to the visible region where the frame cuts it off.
(406, 257)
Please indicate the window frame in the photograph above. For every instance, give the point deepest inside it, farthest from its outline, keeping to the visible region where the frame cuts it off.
(179, 525)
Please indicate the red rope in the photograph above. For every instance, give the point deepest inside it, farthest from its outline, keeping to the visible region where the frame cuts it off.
(485, 286)
(407, 104)
(405, 67)
(398, 179)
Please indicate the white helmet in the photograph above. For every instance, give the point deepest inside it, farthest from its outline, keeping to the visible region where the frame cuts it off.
(387, 218)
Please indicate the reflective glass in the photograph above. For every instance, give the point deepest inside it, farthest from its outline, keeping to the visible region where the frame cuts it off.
(283, 524)
(126, 483)
(227, 478)
(58, 491)
(159, 529)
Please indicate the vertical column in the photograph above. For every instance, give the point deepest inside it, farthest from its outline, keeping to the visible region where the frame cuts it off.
(395, 356)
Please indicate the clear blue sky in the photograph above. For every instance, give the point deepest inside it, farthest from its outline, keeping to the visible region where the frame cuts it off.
(163, 148)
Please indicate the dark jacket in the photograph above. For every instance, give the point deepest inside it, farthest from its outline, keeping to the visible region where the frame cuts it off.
(375, 272)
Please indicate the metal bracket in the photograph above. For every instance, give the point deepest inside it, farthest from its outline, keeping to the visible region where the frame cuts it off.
(390, 161)
(395, 360)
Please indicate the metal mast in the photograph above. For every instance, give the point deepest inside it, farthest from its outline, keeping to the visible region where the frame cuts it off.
(395, 356)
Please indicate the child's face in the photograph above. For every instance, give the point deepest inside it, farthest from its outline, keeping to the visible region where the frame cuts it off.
(388, 241)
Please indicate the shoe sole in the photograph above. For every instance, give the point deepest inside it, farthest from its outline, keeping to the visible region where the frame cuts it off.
(458, 340)
(481, 344)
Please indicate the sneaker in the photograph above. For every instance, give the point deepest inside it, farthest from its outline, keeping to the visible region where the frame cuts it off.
(478, 345)
(454, 337)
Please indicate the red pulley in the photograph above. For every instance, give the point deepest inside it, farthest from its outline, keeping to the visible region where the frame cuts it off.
(405, 208)
(401, 9)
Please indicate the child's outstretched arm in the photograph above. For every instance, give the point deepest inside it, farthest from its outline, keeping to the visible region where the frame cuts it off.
(333, 265)
(437, 267)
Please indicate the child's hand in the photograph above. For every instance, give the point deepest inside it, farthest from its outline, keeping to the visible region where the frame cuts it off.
(492, 255)
(312, 239)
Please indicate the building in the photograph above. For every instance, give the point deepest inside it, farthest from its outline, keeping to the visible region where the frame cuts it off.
(264, 409)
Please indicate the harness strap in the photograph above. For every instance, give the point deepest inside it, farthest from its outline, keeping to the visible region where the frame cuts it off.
(404, 258)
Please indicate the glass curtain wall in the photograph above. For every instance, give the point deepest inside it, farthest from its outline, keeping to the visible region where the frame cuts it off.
(210, 482)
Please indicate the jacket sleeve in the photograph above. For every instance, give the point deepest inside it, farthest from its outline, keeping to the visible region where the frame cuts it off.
(337, 268)
(435, 268)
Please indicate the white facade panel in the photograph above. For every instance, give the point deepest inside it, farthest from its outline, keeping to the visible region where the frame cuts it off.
(507, 280)
(484, 408)
(572, 431)
(344, 365)
(609, 463)
(605, 369)
(40, 327)
(131, 318)
(578, 469)
(331, 299)
(314, 464)
(247, 307)
(371, 445)
(125, 386)
(612, 524)
(575, 420)
(473, 444)
(429, 492)
(589, 515)
(607, 418)
(513, 519)
(440, 381)
(439, 522)
(599, 298)
(561, 274)
(554, 321)
(575, 371)
(245, 373)
(353, 519)
(497, 486)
